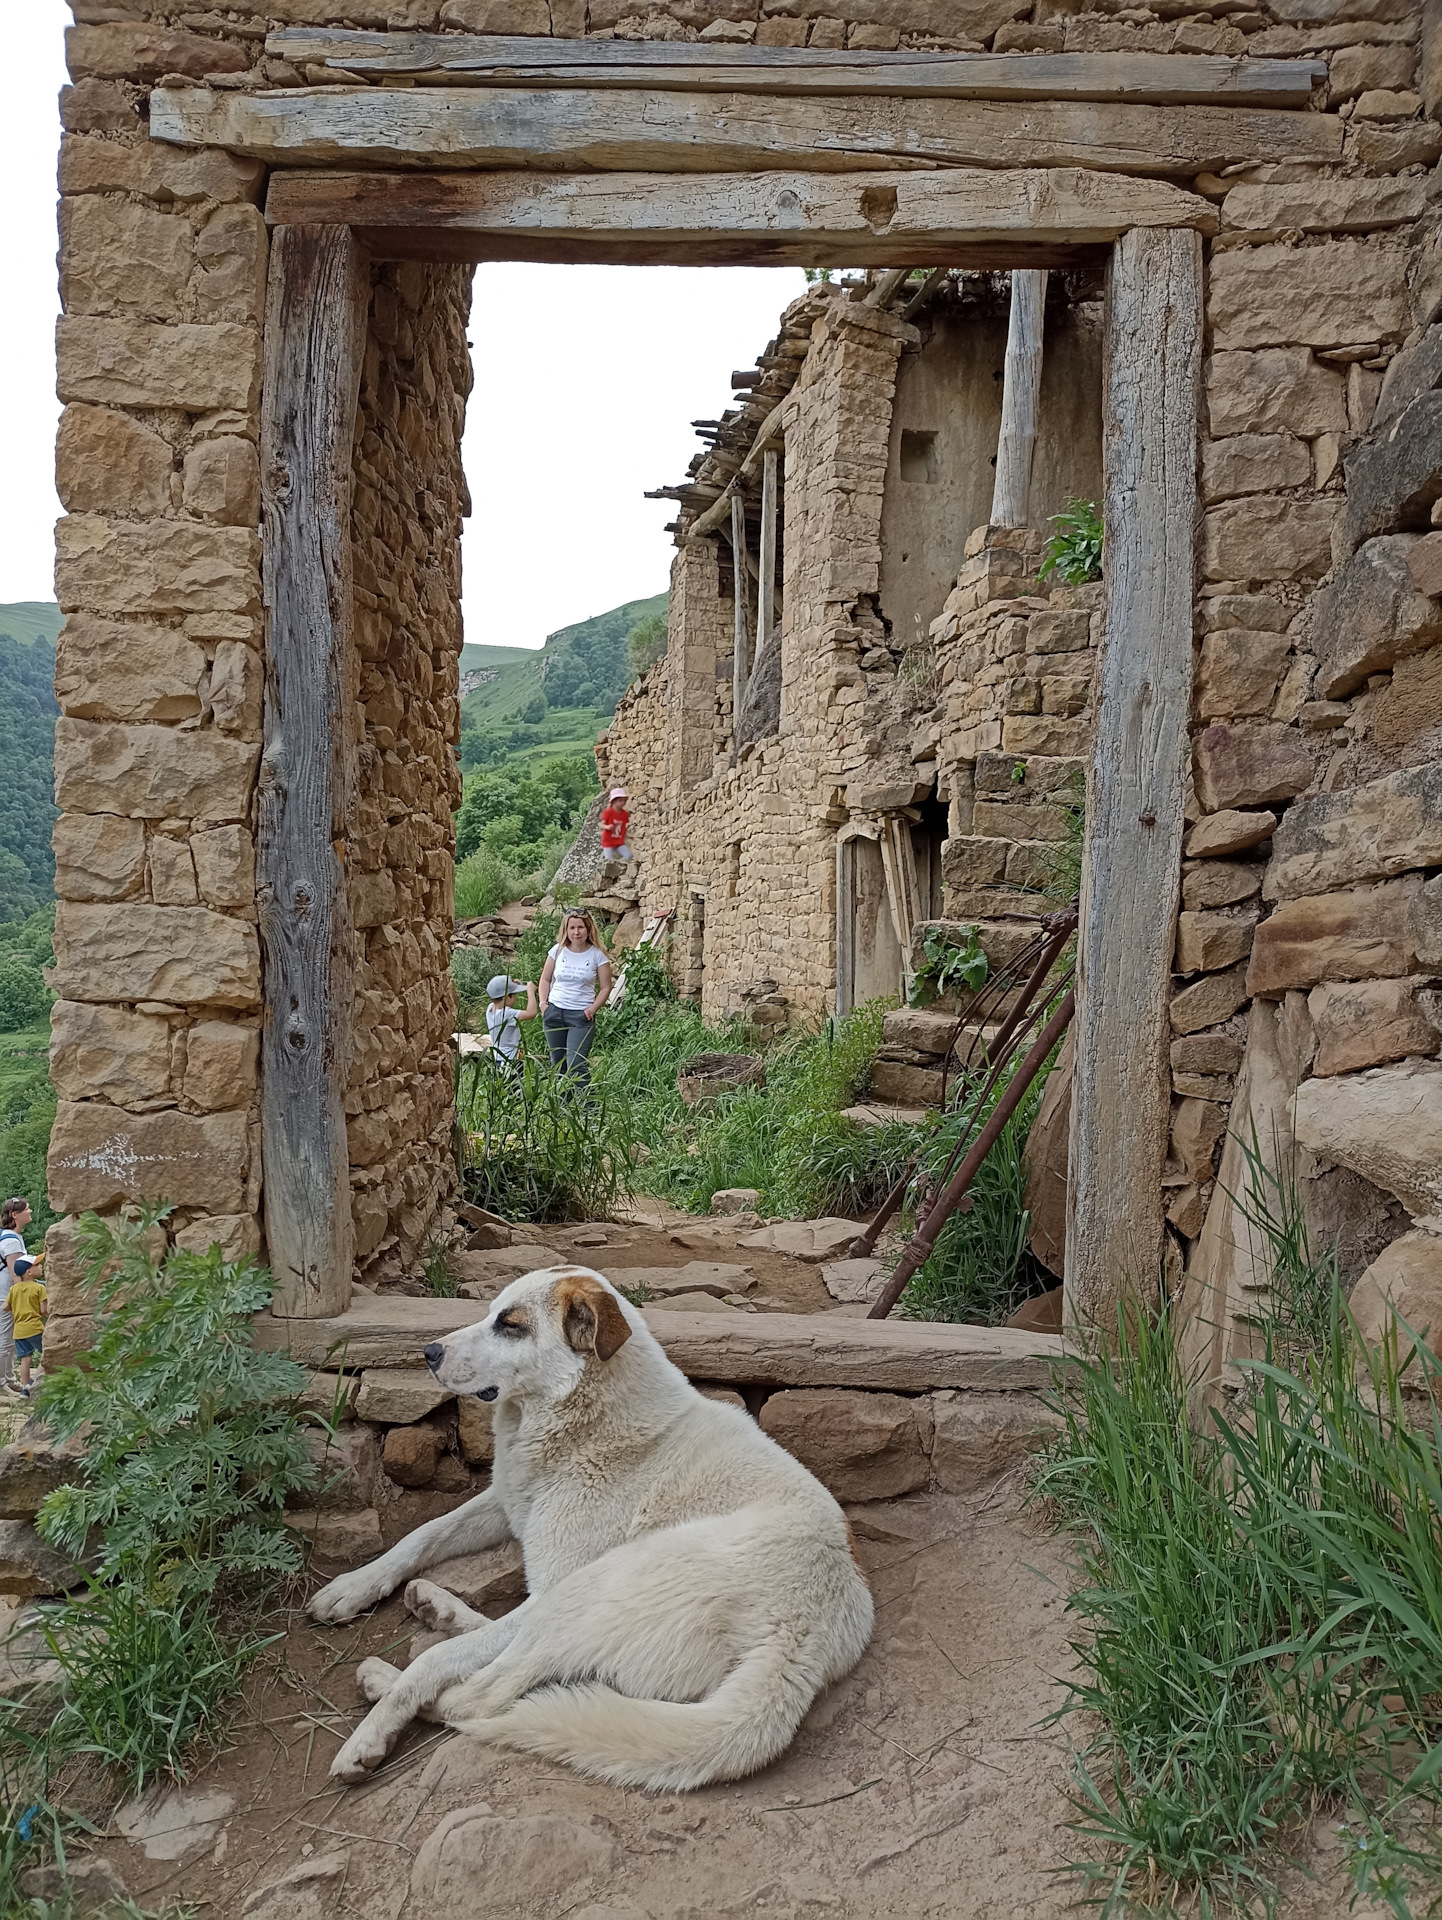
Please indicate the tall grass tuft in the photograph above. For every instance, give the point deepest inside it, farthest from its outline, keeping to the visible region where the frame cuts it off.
(1261, 1595)
(536, 1145)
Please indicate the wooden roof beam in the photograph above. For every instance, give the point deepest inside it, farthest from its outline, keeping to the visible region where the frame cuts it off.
(1164, 79)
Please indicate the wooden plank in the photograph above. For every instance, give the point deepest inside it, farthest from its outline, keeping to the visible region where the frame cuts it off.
(762, 1349)
(315, 342)
(1171, 79)
(766, 583)
(968, 215)
(739, 648)
(1122, 1086)
(1020, 396)
(653, 131)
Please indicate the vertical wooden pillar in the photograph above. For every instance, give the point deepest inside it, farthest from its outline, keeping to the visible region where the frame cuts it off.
(1020, 398)
(315, 342)
(1121, 1092)
(766, 585)
(740, 586)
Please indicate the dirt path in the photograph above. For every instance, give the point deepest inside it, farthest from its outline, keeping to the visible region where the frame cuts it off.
(925, 1784)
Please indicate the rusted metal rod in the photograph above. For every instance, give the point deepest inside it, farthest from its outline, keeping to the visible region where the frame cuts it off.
(1060, 927)
(918, 1248)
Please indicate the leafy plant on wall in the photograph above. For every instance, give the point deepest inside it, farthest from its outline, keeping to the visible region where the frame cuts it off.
(1073, 554)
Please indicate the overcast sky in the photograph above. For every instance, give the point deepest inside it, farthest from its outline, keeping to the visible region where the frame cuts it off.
(587, 379)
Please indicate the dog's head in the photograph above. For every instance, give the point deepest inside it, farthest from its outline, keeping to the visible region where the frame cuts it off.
(539, 1337)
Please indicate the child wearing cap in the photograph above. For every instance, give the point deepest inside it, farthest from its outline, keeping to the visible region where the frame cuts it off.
(615, 825)
(503, 1019)
(28, 1303)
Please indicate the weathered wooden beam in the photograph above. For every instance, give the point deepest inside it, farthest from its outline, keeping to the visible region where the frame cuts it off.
(657, 131)
(315, 344)
(1168, 79)
(1122, 1088)
(766, 583)
(964, 216)
(1020, 398)
(715, 514)
(740, 647)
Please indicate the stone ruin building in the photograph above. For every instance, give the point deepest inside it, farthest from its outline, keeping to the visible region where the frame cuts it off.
(270, 213)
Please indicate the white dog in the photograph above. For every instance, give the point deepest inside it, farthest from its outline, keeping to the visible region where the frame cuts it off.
(692, 1587)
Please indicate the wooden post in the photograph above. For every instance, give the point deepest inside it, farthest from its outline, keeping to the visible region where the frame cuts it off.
(315, 342)
(1020, 394)
(1122, 1089)
(741, 586)
(766, 584)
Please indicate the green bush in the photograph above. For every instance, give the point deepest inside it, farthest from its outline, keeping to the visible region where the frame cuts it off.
(24, 997)
(537, 1145)
(1261, 1602)
(23, 1151)
(1074, 552)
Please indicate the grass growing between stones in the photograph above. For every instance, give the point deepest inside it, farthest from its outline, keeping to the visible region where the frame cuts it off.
(190, 1449)
(1260, 1603)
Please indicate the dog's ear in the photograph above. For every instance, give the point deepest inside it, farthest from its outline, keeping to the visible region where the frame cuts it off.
(591, 1317)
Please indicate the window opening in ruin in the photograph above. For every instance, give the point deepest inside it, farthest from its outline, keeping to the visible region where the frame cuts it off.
(918, 457)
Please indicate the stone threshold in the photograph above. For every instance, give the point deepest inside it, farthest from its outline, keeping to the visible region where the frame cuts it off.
(765, 1349)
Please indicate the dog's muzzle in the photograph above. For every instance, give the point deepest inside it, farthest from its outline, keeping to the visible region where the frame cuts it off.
(433, 1355)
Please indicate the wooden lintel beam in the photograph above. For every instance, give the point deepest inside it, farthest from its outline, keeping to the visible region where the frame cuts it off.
(1170, 79)
(643, 129)
(962, 217)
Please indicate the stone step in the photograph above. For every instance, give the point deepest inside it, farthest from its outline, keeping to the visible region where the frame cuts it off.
(752, 1349)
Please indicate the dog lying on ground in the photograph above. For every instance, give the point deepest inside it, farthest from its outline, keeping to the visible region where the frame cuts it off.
(691, 1586)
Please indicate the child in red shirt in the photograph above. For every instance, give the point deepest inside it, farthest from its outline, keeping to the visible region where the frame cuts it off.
(615, 824)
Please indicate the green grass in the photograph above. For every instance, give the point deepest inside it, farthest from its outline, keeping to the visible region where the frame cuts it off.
(1260, 1605)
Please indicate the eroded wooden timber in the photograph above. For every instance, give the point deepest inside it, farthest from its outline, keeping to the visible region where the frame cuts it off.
(1135, 790)
(652, 130)
(315, 344)
(964, 216)
(1164, 79)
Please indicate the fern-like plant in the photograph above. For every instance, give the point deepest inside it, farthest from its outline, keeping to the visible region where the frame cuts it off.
(190, 1444)
(1073, 554)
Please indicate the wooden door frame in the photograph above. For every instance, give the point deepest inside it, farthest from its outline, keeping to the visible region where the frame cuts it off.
(1136, 785)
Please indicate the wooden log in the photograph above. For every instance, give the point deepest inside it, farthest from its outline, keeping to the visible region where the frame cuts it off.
(315, 343)
(1166, 79)
(967, 216)
(1120, 1108)
(766, 584)
(658, 132)
(739, 645)
(1020, 398)
(716, 514)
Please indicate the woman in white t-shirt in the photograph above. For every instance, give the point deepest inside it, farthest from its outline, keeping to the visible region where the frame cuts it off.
(575, 982)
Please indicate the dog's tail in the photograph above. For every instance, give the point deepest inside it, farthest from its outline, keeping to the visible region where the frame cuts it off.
(663, 1744)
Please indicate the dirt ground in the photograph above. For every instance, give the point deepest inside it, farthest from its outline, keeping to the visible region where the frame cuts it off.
(929, 1783)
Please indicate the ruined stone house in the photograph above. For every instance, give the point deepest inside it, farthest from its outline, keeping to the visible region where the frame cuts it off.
(270, 212)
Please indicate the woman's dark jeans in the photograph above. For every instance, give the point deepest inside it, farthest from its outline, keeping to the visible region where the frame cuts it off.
(569, 1035)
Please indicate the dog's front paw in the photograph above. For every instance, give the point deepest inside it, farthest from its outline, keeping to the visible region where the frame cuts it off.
(375, 1678)
(437, 1609)
(362, 1753)
(344, 1598)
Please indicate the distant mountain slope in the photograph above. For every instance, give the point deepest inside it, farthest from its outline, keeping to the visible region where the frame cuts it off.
(557, 698)
(30, 620)
(27, 729)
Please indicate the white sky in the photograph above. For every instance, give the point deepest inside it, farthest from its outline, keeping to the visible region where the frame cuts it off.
(586, 381)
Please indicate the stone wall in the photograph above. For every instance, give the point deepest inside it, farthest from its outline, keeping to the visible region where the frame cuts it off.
(410, 494)
(158, 675)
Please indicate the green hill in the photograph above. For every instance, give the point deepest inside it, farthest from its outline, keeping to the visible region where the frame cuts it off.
(31, 620)
(553, 701)
(27, 725)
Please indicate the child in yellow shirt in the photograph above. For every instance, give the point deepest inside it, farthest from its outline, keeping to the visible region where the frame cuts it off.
(29, 1304)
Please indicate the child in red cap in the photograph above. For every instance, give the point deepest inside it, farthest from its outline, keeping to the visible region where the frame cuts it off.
(615, 825)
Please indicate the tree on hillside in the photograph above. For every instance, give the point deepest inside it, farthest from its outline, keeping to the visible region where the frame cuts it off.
(646, 642)
(588, 665)
(27, 793)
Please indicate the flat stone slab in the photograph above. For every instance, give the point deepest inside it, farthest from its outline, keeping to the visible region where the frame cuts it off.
(851, 1281)
(871, 1114)
(397, 1396)
(833, 1350)
(697, 1276)
(504, 1264)
(809, 1240)
(703, 1303)
(746, 1349)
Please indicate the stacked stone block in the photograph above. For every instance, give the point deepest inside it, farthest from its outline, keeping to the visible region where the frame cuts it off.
(406, 522)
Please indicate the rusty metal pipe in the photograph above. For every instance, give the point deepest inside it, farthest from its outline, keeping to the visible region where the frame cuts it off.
(918, 1248)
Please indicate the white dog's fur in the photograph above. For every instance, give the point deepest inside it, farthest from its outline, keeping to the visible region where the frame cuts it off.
(692, 1587)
